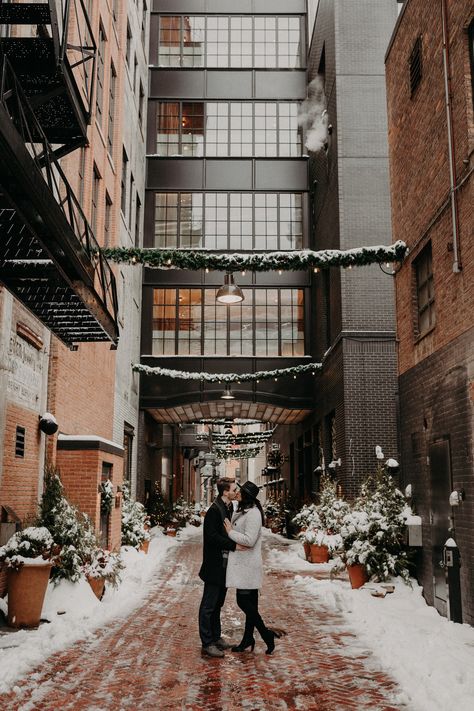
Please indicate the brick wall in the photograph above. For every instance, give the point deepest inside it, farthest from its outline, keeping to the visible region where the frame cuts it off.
(436, 402)
(437, 369)
(81, 475)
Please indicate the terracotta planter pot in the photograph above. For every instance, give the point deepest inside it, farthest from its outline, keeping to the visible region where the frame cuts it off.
(97, 585)
(357, 575)
(318, 554)
(26, 591)
(307, 549)
(144, 546)
(171, 532)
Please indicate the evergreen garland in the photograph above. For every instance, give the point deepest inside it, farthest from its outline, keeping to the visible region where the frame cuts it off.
(236, 453)
(243, 438)
(227, 377)
(296, 260)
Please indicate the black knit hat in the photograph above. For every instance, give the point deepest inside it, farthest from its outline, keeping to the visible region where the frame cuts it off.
(250, 489)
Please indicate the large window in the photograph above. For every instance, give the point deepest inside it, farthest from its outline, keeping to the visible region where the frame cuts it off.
(269, 322)
(425, 291)
(222, 129)
(228, 221)
(222, 41)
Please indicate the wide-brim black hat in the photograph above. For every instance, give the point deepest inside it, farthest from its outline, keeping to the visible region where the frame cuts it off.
(250, 489)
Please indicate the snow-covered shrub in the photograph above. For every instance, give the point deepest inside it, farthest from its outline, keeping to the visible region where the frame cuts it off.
(104, 564)
(134, 519)
(34, 542)
(373, 532)
(307, 517)
(321, 538)
(70, 529)
(182, 512)
(331, 509)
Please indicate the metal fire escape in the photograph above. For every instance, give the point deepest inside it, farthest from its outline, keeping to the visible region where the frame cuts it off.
(49, 258)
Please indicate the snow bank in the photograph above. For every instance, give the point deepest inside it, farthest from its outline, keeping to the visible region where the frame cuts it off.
(74, 612)
(430, 657)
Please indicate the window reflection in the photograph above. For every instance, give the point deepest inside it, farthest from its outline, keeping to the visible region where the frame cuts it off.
(229, 221)
(269, 322)
(222, 129)
(235, 42)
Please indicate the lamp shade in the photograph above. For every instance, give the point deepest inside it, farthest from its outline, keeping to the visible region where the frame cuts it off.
(227, 395)
(229, 293)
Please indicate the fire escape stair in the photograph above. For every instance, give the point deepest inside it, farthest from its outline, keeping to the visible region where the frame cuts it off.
(43, 68)
(49, 258)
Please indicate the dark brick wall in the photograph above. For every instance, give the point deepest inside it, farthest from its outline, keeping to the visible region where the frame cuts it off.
(437, 401)
(437, 369)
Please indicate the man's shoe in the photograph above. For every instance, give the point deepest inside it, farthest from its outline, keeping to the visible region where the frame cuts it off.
(213, 651)
(222, 644)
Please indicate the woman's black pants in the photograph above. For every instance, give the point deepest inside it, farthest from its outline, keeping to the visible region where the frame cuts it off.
(247, 600)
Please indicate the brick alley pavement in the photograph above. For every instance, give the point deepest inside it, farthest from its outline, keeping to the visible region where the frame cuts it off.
(152, 661)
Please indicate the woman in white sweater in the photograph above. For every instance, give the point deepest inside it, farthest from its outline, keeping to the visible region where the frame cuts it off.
(245, 567)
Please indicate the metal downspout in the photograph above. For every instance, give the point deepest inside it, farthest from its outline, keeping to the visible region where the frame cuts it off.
(452, 165)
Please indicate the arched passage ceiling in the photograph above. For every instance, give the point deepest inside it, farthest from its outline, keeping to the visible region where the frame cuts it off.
(228, 409)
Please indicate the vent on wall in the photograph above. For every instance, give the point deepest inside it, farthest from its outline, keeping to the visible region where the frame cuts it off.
(20, 441)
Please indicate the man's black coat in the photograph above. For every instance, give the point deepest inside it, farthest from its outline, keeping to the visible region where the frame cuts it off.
(216, 541)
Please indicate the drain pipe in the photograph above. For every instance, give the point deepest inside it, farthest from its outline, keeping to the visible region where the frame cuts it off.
(449, 118)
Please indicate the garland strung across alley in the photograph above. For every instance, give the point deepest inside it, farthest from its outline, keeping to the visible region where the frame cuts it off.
(224, 421)
(297, 260)
(243, 438)
(236, 453)
(227, 377)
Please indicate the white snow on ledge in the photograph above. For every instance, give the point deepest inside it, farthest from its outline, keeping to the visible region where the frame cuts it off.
(88, 438)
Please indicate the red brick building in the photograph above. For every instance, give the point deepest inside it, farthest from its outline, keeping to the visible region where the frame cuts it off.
(62, 356)
(430, 78)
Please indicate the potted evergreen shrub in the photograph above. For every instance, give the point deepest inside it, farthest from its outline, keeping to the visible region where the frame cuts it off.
(28, 555)
(103, 567)
(373, 533)
(70, 529)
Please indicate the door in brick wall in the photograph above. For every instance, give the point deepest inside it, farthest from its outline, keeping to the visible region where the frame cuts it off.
(441, 521)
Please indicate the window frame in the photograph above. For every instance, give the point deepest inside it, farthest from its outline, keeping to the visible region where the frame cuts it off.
(424, 260)
(172, 301)
(225, 31)
(221, 120)
(172, 210)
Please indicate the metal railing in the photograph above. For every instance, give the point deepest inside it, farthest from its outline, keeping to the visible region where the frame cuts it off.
(20, 112)
(74, 44)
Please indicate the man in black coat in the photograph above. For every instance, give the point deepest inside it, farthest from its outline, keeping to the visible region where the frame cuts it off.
(216, 549)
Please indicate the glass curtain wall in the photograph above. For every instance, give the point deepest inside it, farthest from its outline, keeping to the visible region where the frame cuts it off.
(222, 42)
(228, 129)
(189, 321)
(228, 221)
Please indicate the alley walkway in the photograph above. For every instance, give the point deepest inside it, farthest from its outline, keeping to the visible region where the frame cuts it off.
(153, 662)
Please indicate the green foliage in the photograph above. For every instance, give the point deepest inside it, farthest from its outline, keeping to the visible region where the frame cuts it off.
(32, 542)
(373, 533)
(331, 509)
(158, 508)
(70, 529)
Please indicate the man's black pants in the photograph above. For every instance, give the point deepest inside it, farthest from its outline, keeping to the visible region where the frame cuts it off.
(210, 613)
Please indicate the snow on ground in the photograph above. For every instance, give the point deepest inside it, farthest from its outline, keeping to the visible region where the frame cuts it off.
(430, 657)
(75, 613)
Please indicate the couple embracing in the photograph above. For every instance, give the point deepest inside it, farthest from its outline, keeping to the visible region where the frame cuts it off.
(232, 558)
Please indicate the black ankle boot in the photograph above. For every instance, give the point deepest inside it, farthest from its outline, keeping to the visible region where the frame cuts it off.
(269, 640)
(245, 644)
